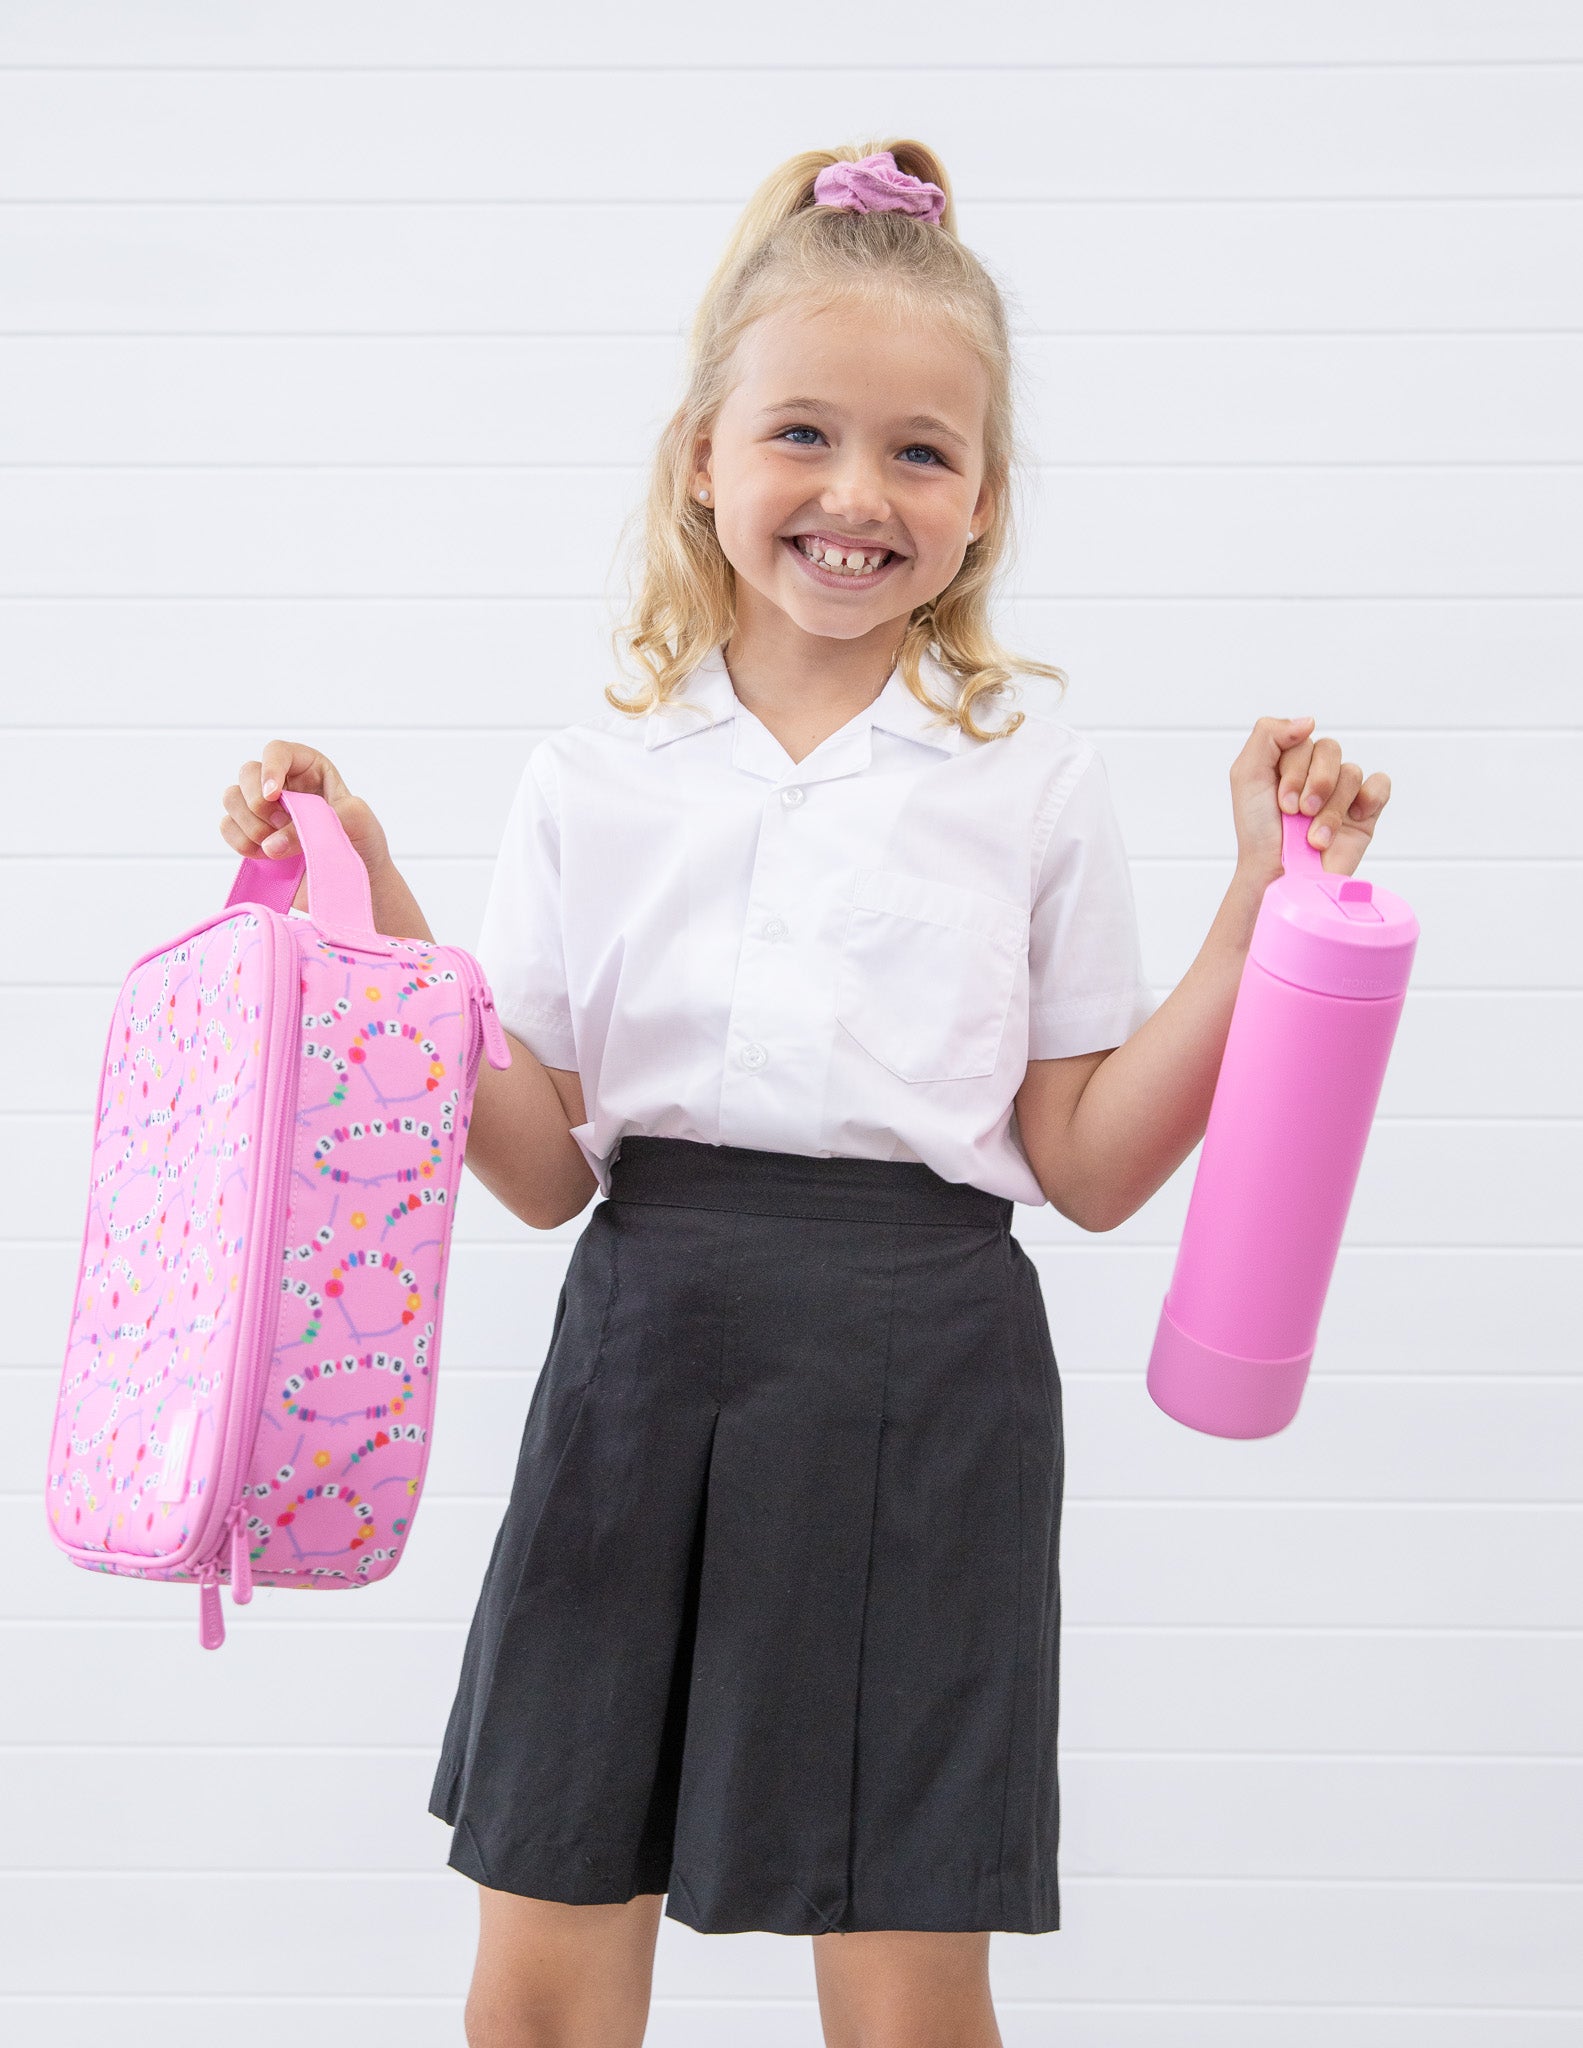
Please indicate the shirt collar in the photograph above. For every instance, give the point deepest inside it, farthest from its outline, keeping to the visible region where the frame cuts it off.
(895, 709)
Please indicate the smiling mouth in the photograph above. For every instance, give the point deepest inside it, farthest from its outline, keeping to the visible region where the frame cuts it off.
(859, 566)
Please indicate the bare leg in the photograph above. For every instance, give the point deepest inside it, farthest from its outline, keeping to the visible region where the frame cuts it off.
(554, 1976)
(905, 1990)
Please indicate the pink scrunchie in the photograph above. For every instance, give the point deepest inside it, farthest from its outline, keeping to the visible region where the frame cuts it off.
(874, 184)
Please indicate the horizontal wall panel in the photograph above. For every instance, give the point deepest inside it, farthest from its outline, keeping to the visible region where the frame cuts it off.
(1290, 1820)
(493, 32)
(1280, 133)
(1406, 1309)
(1068, 264)
(271, 667)
(204, 1931)
(1506, 924)
(1250, 1943)
(1150, 400)
(1475, 1312)
(1509, 1437)
(1138, 1564)
(120, 911)
(1386, 532)
(267, 1668)
(1194, 1692)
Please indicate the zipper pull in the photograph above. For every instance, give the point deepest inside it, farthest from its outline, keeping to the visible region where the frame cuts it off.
(211, 1622)
(494, 1037)
(241, 1562)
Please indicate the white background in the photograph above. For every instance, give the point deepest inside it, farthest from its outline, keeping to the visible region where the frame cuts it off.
(333, 341)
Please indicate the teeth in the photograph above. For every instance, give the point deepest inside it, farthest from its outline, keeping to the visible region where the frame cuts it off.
(849, 562)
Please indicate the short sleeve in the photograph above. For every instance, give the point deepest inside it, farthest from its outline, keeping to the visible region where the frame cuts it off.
(520, 946)
(1086, 986)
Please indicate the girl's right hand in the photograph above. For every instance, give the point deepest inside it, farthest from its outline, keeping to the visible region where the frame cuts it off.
(257, 824)
(1283, 768)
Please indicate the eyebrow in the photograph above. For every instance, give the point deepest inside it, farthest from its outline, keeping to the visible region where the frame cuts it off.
(924, 420)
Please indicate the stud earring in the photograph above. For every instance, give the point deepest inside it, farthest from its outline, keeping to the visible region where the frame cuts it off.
(703, 494)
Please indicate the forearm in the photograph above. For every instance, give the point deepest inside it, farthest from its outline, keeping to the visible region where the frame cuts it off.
(396, 911)
(1147, 1104)
(519, 1143)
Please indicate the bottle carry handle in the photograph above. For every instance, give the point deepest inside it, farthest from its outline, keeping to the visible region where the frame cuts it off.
(339, 901)
(1298, 857)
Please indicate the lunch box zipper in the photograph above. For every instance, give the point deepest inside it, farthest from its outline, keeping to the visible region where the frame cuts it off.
(242, 1410)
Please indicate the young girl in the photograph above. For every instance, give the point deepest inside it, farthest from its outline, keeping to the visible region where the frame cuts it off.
(813, 969)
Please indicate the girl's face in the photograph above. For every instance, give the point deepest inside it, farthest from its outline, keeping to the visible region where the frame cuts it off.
(865, 434)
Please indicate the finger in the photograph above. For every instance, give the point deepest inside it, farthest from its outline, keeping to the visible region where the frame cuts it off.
(275, 767)
(254, 834)
(269, 812)
(286, 764)
(1371, 799)
(1267, 738)
(1291, 772)
(276, 834)
(238, 841)
(1323, 768)
(250, 827)
(1323, 828)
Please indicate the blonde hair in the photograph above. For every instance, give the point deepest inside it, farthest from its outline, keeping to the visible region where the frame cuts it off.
(787, 249)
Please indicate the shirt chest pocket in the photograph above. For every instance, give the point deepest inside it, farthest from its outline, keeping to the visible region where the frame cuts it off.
(926, 974)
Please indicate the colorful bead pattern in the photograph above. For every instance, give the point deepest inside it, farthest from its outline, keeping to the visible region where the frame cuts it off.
(377, 1149)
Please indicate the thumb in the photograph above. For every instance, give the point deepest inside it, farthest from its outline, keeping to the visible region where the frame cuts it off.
(286, 764)
(1285, 733)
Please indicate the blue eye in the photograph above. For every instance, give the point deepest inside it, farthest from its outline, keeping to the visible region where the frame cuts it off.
(933, 453)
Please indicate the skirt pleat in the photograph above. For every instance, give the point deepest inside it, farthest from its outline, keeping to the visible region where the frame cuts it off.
(772, 1620)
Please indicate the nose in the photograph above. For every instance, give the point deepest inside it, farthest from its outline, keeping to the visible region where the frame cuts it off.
(855, 495)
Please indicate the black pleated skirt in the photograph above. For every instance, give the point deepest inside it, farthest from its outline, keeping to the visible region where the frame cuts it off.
(772, 1620)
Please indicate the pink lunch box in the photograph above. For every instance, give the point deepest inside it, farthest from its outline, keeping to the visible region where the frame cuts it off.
(248, 1389)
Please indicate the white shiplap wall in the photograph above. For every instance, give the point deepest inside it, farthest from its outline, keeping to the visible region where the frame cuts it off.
(332, 341)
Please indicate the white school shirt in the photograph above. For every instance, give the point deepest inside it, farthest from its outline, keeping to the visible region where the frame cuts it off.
(852, 955)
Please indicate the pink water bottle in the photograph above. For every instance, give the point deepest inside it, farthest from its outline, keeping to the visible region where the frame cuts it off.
(1311, 1031)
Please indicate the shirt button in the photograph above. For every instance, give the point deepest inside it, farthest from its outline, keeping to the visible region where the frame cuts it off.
(792, 796)
(777, 928)
(754, 1055)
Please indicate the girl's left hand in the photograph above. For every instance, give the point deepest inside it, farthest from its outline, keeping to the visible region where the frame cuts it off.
(1282, 768)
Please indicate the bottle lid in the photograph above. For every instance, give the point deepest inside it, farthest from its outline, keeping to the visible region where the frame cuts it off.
(1338, 935)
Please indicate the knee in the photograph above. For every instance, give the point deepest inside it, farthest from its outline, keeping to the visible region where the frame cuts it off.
(488, 2023)
(490, 2026)
(971, 2031)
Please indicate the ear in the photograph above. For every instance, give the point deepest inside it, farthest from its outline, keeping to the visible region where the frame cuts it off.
(983, 510)
(700, 468)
